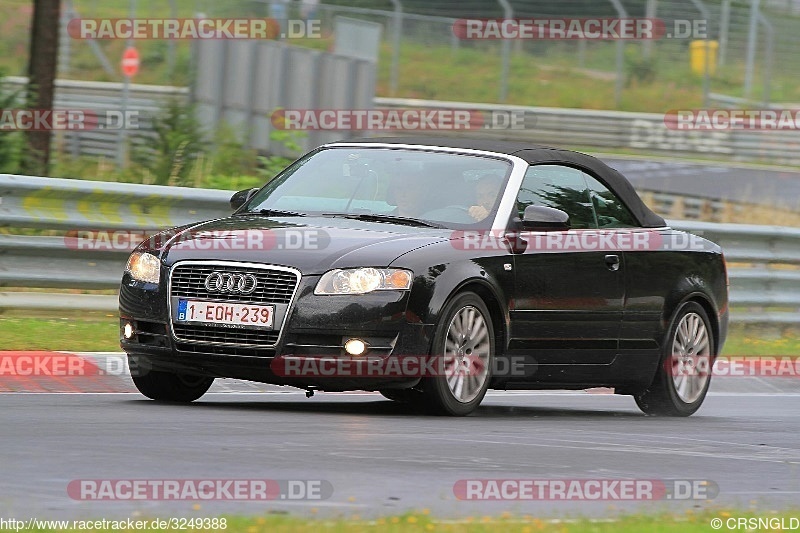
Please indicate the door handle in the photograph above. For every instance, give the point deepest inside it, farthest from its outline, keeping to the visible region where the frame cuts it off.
(612, 261)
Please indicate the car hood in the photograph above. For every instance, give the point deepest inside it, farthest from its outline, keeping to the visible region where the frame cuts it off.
(312, 245)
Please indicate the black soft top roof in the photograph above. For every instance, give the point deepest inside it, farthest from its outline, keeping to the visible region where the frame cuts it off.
(536, 154)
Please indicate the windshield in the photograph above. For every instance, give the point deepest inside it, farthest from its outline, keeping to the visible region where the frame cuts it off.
(451, 190)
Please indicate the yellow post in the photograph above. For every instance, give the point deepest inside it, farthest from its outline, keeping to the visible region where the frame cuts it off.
(697, 56)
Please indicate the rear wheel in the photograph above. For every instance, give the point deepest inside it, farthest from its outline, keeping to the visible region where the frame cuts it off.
(464, 348)
(169, 386)
(684, 375)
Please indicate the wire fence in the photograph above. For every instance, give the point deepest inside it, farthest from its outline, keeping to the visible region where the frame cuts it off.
(751, 44)
(746, 41)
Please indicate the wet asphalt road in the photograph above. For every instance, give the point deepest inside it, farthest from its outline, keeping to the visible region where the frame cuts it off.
(380, 460)
(718, 181)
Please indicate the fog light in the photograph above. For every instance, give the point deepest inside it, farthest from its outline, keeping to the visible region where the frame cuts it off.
(127, 330)
(355, 347)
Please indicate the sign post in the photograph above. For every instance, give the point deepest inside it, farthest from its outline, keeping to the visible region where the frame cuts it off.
(130, 62)
(130, 66)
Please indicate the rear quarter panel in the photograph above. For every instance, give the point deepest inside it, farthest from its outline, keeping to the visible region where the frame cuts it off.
(658, 281)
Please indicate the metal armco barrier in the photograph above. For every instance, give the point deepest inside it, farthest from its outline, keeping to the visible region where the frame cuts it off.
(763, 267)
(590, 129)
(587, 129)
(36, 261)
(764, 261)
(53, 203)
(146, 101)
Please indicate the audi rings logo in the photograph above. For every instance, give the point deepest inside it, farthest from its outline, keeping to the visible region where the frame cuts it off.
(231, 283)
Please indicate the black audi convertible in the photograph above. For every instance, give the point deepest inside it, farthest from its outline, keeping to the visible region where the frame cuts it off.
(430, 270)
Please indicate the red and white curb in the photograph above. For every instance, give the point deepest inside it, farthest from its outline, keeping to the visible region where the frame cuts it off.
(65, 372)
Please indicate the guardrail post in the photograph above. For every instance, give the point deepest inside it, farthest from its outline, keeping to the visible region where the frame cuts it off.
(122, 149)
(706, 61)
(620, 56)
(508, 13)
(768, 53)
(397, 30)
(650, 13)
(751, 48)
(724, 28)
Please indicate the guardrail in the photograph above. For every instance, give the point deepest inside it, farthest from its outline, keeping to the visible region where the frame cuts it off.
(763, 268)
(591, 129)
(764, 261)
(587, 129)
(101, 98)
(50, 205)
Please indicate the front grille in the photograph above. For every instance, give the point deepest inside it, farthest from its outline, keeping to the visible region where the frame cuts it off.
(220, 334)
(214, 349)
(274, 286)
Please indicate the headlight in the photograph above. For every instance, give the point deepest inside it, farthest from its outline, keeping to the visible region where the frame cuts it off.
(144, 267)
(363, 280)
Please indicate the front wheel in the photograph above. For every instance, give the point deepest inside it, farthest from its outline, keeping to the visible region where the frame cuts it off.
(684, 375)
(464, 345)
(168, 386)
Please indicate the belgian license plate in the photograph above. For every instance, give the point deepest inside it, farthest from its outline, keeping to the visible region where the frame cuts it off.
(200, 311)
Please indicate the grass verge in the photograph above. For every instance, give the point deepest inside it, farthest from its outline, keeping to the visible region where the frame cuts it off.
(84, 332)
(688, 522)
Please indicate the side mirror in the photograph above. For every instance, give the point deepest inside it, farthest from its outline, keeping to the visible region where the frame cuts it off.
(238, 199)
(541, 218)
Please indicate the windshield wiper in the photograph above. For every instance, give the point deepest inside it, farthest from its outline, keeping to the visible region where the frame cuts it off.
(274, 213)
(392, 219)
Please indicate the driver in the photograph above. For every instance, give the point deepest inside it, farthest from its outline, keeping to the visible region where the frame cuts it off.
(486, 190)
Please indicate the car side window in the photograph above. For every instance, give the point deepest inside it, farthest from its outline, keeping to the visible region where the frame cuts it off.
(610, 211)
(560, 187)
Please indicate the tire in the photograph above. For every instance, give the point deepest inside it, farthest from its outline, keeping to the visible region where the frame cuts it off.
(464, 336)
(167, 386)
(684, 372)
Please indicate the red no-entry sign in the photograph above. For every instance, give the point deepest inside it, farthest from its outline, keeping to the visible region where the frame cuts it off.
(130, 61)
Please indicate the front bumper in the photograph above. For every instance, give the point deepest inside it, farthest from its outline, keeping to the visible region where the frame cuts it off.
(315, 326)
